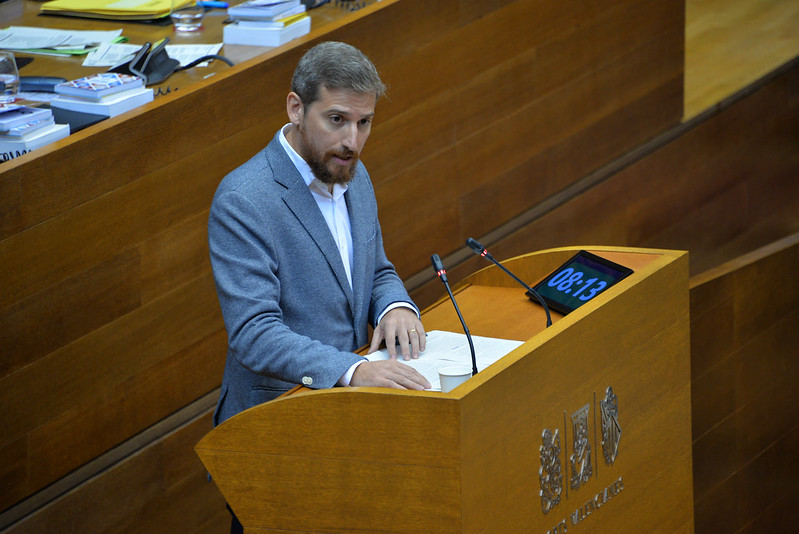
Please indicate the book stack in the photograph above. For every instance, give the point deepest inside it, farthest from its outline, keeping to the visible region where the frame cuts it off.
(108, 94)
(266, 23)
(23, 129)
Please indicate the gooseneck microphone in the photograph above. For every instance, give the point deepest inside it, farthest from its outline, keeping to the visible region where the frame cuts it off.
(480, 250)
(438, 267)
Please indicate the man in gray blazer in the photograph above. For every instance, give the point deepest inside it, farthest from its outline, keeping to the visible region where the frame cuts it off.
(297, 251)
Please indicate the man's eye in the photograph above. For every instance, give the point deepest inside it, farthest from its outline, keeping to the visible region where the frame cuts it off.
(335, 119)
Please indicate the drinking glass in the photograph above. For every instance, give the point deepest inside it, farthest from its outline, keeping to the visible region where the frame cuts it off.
(187, 17)
(9, 76)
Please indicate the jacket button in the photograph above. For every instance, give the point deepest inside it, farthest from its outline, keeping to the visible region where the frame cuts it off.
(307, 380)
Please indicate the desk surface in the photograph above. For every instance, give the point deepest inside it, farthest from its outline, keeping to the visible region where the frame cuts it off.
(26, 13)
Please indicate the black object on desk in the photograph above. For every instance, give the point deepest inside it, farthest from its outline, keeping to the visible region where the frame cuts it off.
(76, 120)
(22, 61)
(39, 84)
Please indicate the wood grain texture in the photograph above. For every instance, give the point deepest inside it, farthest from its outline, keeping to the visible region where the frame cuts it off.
(170, 487)
(469, 86)
(725, 186)
(732, 44)
(744, 395)
(102, 235)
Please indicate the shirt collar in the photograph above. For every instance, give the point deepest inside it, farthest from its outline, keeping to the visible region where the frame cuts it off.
(305, 170)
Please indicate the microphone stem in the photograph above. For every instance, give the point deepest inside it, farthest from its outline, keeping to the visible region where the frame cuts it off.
(465, 328)
(530, 289)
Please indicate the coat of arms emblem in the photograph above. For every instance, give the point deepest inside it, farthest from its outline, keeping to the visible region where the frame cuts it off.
(611, 430)
(581, 458)
(550, 474)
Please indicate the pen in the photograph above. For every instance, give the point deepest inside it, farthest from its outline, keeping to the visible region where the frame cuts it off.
(212, 3)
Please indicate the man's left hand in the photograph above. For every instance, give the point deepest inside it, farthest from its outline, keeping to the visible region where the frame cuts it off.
(402, 325)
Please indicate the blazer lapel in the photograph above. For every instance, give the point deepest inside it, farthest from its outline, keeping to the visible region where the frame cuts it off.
(301, 203)
(362, 233)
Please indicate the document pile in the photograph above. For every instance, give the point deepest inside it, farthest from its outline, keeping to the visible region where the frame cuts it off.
(107, 93)
(23, 129)
(53, 42)
(266, 23)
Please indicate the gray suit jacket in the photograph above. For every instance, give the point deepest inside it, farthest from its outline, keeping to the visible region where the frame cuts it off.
(290, 314)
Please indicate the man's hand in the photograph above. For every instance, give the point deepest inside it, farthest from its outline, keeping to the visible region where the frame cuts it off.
(403, 325)
(388, 374)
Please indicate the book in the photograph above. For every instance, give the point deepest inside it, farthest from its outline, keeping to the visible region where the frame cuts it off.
(26, 129)
(9, 107)
(279, 23)
(99, 85)
(21, 116)
(234, 34)
(12, 148)
(262, 9)
(108, 106)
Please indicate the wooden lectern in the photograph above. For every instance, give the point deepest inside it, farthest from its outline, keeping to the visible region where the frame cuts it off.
(534, 443)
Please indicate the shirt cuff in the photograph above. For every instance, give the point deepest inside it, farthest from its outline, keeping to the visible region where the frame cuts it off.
(397, 305)
(347, 377)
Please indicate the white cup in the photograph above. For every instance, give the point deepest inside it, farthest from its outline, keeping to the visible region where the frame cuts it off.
(452, 377)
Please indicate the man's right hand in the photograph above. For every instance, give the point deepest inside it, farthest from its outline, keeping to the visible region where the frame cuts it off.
(388, 374)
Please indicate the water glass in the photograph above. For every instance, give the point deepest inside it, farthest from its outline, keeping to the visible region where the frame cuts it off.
(187, 17)
(9, 76)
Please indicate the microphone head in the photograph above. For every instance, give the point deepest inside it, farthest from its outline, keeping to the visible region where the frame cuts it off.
(475, 246)
(438, 266)
(436, 261)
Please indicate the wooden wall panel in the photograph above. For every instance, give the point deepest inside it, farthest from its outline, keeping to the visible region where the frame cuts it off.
(95, 426)
(719, 187)
(512, 114)
(70, 396)
(67, 310)
(161, 489)
(745, 403)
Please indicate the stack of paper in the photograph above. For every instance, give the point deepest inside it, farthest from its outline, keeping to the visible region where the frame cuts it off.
(113, 9)
(266, 23)
(108, 94)
(55, 42)
(23, 129)
(266, 10)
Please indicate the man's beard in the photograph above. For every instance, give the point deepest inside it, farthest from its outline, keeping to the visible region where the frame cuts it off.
(322, 171)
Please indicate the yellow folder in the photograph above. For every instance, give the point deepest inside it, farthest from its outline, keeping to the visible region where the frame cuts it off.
(114, 9)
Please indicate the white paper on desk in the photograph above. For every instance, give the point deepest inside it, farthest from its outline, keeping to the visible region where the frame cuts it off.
(27, 37)
(448, 348)
(111, 54)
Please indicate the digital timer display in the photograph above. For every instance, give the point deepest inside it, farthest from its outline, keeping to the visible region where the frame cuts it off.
(579, 280)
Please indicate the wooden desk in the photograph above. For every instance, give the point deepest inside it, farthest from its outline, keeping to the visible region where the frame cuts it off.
(26, 13)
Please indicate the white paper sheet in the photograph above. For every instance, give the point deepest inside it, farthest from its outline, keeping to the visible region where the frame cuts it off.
(449, 348)
(109, 55)
(28, 37)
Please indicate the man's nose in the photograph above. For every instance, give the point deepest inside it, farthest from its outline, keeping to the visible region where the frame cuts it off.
(350, 140)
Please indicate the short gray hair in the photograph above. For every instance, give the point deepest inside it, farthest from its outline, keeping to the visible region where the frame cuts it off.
(335, 65)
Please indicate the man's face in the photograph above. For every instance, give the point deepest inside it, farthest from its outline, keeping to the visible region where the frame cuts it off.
(330, 133)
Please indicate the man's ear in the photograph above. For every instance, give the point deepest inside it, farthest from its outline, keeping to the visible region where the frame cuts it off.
(294, 108)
